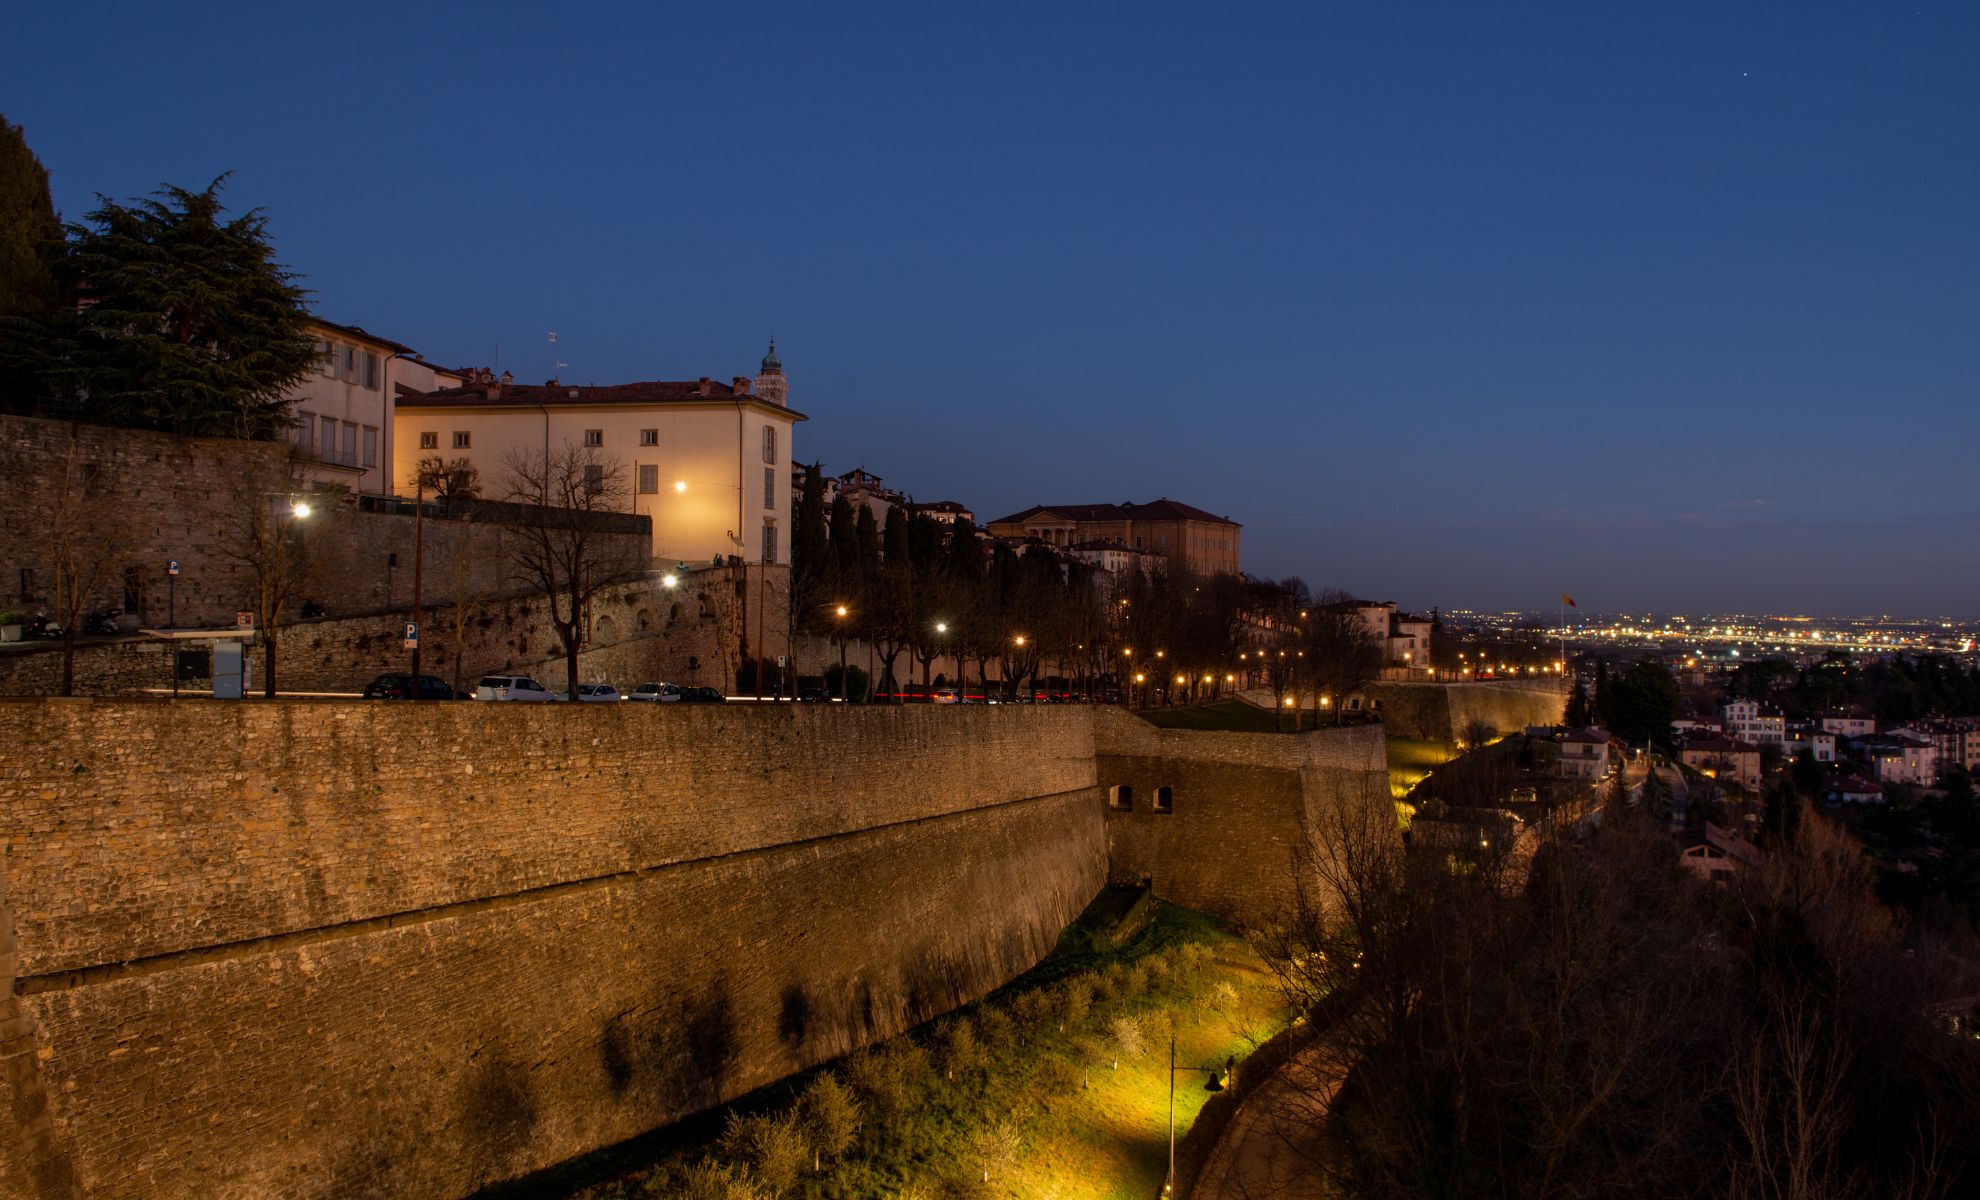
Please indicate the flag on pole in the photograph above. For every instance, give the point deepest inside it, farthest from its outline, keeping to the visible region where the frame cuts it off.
(1568, 600)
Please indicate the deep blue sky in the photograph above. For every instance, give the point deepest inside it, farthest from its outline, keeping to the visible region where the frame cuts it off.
(1669, 305)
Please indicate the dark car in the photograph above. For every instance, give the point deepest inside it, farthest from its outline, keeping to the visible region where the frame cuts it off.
(814, 696)
(399, 687)
(702, 695)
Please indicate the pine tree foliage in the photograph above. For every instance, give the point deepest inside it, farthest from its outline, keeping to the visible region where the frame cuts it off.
(188, 324)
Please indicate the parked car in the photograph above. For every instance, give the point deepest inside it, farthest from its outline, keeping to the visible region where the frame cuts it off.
(655, 693)
(596, 693)
(946, 695)
(510, 687)
(814, 696)
(702, 695)
(399, 686)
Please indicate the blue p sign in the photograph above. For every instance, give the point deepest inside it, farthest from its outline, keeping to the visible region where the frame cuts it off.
(171, 566)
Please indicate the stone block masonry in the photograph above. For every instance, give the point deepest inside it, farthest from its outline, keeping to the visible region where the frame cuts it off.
(1440, 712)
(1212, 820)
(335, 949)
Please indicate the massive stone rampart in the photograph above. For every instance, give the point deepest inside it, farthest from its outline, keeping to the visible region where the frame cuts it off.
(333, 949)
(1441, 712)
(1212, 820)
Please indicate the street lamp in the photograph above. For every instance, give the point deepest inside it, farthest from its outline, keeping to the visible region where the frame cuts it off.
(839, 616)
(1219, 1077)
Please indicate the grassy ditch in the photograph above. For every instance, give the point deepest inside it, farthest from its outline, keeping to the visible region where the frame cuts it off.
(1053, 1088)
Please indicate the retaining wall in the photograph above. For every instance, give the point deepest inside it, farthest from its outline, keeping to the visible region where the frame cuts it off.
(336, 949)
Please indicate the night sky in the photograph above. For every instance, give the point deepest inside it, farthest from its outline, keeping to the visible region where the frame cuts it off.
(1668, 305)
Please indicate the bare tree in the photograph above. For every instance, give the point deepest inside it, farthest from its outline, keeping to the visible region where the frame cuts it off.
(565, 549)
(469, 582)
(83, 539)
(275, 525)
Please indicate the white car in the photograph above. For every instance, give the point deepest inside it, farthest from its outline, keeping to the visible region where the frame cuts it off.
(656, 693)
(510, 687)
(599, 693)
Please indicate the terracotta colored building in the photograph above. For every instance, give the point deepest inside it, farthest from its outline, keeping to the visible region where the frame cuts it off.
(1200, 542)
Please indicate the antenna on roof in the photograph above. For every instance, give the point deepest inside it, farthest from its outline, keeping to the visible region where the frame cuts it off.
(556, 372)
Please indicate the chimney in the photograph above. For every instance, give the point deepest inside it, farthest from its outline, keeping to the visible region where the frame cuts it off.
(740, 385)
(703, 388)
(492, 390)
(507, 377)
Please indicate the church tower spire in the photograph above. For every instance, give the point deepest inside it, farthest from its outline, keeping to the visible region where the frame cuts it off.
(770, 383)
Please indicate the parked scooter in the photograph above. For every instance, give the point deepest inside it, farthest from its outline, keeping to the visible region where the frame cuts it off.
(42, 626)
(108, 621)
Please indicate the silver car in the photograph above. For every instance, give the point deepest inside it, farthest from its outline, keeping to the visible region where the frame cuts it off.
(596, 693)
(510, 687)
(655, 693)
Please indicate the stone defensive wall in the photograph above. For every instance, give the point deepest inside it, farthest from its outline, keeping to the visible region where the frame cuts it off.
(1212, 820)
(331, 949)
(1440, 712)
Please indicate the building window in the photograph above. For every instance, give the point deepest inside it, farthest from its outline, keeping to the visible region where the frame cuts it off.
(1165, 799)
(350, 444)
(326, 352)
(460, 439)
(594, 478)
(649, 479)
(370, 446)
(348, 361)
(326, 447)
(429, 441)
(306, 432)
(594, 437)
(770, 443)
(371, 371)
(1120, 797)
(649, 437)
(769, 542)
(769, 487)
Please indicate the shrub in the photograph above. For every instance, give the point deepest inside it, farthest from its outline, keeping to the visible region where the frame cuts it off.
(1124, 1039)
(995, 1147)
(1224, 997)
(772, 1146)
(958, 1049)
(993, 1025)
(1033, 1012)
(831, 1117)
(711, 1181)
(1075, 1002)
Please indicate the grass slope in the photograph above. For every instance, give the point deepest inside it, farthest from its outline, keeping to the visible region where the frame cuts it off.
(1022, 1085)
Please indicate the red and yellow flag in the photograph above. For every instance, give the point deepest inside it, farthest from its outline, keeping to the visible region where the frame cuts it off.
(1568, 600)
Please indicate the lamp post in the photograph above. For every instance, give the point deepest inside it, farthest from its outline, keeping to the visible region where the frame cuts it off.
(839, 617)
(1219, 1076)
(419, 571)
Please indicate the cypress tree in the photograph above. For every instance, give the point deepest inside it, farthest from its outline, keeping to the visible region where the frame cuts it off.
(30, 256)
(30, 234)
(894, 540)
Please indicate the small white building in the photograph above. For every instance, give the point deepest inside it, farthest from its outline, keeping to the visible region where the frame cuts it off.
(1586, 754)
(343, 415)
(1749, 722)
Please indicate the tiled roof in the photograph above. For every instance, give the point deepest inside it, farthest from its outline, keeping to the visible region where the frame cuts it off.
(526, 395)
(1713, 744)
(1164, 509)
(362, 335)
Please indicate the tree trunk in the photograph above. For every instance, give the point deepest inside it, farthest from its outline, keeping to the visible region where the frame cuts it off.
(268, 662)
(69, 658)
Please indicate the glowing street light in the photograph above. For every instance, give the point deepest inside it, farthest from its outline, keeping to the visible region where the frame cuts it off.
(680, 485)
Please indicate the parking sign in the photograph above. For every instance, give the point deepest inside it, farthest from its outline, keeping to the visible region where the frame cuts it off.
(171, 566)
(412, 635)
